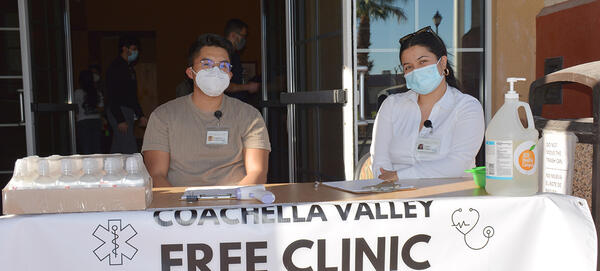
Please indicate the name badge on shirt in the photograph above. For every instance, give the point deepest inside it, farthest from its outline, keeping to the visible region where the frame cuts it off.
(217, 136)
(428, 145)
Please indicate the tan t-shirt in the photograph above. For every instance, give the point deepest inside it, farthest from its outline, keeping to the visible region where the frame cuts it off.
(181, 129)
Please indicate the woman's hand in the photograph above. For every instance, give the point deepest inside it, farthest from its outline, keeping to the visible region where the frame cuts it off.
(122, 127)
(388, 176)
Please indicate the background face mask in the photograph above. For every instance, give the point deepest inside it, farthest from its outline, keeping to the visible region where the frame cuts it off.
(424, 80)
(212, 81)
(240, 44)
(133, 56)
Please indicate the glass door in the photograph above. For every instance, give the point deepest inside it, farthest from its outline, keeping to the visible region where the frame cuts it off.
(14, 118)
(51, 77)
(307, 90)
(36, 117)
(319, 97)
(274, 82)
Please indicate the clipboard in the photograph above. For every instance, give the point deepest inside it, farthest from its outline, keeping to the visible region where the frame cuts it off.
(369, 186)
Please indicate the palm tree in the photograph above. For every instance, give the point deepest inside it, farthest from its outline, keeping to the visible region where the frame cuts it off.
(373, 9)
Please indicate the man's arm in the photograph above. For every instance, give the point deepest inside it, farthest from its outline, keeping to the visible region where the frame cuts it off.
(251, 87)
(257, 165)
(157, 163)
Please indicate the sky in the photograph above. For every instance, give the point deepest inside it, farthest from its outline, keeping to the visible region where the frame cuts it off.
(385, 34)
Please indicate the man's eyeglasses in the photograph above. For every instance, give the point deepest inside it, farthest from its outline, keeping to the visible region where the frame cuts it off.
(208, 64)
(426, 29)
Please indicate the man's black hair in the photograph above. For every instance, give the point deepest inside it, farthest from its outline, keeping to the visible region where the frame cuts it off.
(127, 41)
(234, 25)
(208, 40)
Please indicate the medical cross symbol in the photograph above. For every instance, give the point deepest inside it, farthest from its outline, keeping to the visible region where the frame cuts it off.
(115, 242)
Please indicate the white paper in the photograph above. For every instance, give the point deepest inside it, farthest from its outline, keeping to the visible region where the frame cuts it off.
(557, 174)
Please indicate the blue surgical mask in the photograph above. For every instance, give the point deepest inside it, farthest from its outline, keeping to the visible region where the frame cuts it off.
(424, 80)
(133, 56)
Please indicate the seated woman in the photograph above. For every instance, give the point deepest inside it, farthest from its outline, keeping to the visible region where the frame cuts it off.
(433, 130)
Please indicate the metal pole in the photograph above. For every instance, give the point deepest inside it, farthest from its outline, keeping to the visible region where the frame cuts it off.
(361, 77)
(291, 114)
(263, 66)
(26, 69)
(348, 109)
(69, 67)
(595, 162)
(488, 62)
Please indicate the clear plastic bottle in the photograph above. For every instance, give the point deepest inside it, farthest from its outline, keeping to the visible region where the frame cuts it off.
(21, 178)
(134, 176)
(510, 149)
(44, 180)
(32, 164)
(113, 166)
(54, 161)
(67, 179)
(89, 179)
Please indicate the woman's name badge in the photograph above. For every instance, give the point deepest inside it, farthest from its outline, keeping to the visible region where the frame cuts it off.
(428, 145)
(217, 136)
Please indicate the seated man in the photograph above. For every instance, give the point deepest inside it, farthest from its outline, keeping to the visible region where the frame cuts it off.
(207, 138)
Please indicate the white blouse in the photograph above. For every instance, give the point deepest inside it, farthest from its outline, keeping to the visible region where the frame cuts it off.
(457, 125)
(79, 99)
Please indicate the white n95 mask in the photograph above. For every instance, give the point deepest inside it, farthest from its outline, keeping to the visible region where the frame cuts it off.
(212, 81)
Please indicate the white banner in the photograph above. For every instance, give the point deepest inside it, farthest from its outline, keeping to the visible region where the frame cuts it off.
(543, 232)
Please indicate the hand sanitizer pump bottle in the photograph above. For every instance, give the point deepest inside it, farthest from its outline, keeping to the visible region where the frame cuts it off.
(44, 180)
(67, 180)
(510, 149)
(89, 178)
(134, 176)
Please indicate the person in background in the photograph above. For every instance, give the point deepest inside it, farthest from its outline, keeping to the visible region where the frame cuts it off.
(101, 87)
(185, 87)
(89, 124)
(207, 138)
(97, 75)
(236, 32)
(124, 107)
(433, 130)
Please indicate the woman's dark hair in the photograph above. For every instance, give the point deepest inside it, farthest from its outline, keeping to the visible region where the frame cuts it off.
(435, 45)
(208, 40)
(96, 67)
(86, 83)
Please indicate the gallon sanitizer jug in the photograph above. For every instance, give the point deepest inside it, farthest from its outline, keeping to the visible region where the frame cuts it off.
(510, 149)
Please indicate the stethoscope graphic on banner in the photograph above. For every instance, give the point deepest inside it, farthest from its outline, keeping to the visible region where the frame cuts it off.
(465, 222)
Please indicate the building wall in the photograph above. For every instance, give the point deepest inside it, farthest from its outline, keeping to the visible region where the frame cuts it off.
(569, 30)
(513, 46)
(175, 25)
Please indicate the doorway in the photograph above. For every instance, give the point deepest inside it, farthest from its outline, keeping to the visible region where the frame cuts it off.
(317, 93)
(35, 81)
